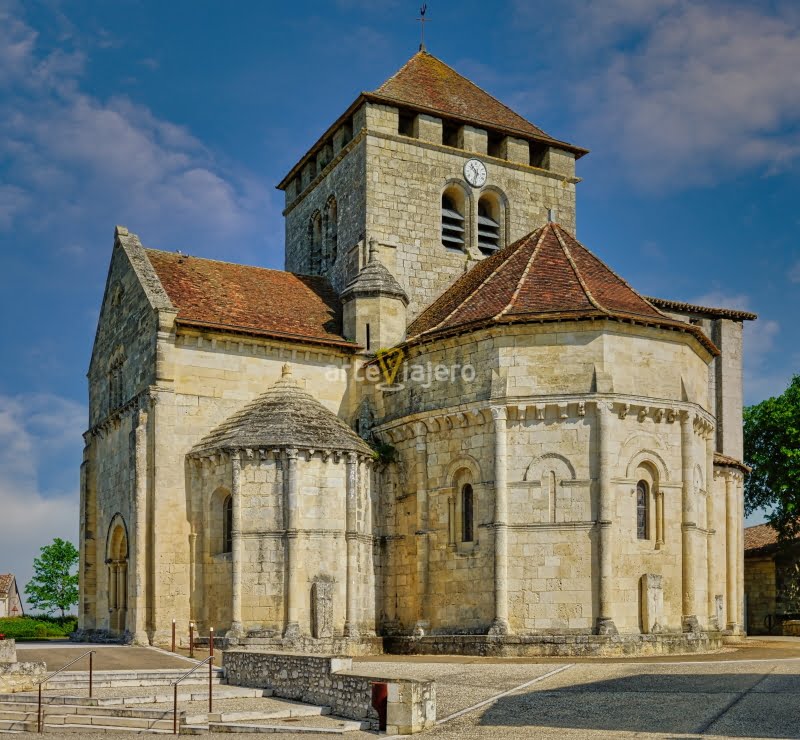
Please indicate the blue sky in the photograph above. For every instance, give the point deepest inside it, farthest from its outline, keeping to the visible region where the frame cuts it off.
(177, 119)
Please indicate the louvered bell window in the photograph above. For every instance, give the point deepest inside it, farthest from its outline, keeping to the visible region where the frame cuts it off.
(488, 231)
(452, 225)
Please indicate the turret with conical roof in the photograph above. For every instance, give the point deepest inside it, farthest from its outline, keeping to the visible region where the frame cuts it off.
(374, 306)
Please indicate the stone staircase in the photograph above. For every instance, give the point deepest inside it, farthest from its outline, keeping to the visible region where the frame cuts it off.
(141, 701)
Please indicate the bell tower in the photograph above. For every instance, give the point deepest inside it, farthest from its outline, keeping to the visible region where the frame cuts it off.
(435, 172)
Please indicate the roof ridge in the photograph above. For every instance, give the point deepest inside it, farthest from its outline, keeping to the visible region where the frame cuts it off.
(623, 280)
(524, 274)
(420, 52)
(472, 293)
(486, 92)
(234, 264)
(568, 255)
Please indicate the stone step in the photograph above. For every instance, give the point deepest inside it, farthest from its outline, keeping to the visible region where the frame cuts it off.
(28, 711)
(109, 679)
(335, 727)
(77, 727)
(188, 692)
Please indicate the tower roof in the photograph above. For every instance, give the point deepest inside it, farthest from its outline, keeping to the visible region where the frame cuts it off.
(284, 416)
(545, 276)
(426, 83)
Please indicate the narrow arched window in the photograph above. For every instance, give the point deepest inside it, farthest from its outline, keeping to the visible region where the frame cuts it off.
(642, 501)
(452, 224)
(467, 512)
(315, 243)
(227, 524)
(488, 226)
(331, 232)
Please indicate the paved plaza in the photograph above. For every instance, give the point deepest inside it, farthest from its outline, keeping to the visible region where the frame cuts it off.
(747, 692)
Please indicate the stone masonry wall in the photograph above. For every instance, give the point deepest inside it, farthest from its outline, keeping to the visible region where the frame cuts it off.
(549, 378)
(759, 588)
(331, 682)
(389, 187)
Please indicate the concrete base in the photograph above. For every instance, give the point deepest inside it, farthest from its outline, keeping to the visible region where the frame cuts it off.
(513, 646)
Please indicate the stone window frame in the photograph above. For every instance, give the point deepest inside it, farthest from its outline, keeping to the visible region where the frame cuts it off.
(467, 519)
(500, 207)
(642, 510)
(463, 472)
(227, 524)
(461, 196)
(116, 394)
(330, 233)
(216, 527)
(315, 243)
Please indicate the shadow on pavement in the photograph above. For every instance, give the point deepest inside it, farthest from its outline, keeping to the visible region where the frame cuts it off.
(756, 705)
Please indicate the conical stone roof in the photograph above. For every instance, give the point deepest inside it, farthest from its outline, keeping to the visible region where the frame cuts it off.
(284, 416)
(547, 275)
(374, 279)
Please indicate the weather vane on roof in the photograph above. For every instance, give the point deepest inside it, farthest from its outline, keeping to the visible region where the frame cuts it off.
(422, 21)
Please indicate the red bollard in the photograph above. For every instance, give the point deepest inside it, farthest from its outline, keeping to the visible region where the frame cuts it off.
(380, 700)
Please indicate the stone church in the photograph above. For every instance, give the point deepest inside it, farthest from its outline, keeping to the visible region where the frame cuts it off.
(447, 424)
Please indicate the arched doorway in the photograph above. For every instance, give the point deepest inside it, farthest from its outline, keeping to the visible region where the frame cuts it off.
(117, 564)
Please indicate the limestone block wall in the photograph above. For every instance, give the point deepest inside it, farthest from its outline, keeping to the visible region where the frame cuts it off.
(388, 186)
(332, 682)
(725, 388)
(345, 180)
(406, 179)
(548, 380)
(759, 588)
(111, 464)
(125, 337)
(320, 541)
(727, 335)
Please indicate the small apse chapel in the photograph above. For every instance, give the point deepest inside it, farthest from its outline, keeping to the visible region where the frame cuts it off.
(556, 455)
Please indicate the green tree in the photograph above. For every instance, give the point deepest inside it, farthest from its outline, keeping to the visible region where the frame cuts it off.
(55, 579)
(772, 450)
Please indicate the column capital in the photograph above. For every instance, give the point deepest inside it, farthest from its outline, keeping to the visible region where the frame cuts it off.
(499, 413)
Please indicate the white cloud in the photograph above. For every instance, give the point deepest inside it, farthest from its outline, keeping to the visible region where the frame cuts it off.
(683, 92)
(37, 430)
(72, 158)
(794, 272)
(705, 92)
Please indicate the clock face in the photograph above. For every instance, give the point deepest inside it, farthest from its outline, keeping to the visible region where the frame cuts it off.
(475, 172)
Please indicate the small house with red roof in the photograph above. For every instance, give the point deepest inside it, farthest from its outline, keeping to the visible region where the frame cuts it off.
(447, 426)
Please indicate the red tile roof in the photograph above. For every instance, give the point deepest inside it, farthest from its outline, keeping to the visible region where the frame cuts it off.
(732, 462)
(726, 313)
(253, 300)
(762, 535)
(545, 276)
(427, 83)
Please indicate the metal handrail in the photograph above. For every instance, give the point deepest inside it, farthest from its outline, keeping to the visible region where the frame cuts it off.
(90, 653)
(210, 661)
